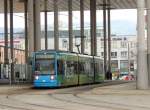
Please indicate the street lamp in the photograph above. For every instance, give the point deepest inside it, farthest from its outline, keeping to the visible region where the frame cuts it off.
(65, 44)
(128, 58)
(131, 56)
(78, 43)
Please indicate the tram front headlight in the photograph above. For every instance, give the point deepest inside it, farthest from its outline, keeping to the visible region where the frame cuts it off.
(52, 77)
(36, 77)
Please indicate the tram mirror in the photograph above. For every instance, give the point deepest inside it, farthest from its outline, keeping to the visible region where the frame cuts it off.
(30, 62)
(17, 74)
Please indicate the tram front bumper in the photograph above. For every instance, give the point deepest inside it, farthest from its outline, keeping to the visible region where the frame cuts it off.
(46, 84)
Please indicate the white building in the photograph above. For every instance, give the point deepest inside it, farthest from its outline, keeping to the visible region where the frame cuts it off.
(123, 54)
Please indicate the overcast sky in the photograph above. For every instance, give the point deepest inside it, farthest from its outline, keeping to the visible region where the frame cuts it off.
(129, 16)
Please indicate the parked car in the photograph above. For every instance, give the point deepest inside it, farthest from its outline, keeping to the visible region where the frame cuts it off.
(127, 77)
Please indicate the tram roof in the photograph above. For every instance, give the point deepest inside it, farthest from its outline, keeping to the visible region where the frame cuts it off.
(65, 52)
(63, 5)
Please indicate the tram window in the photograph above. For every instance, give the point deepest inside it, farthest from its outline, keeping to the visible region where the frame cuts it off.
(96, 68)
(60, 66)
(51, 68)
(81, 67)
(92, 68)
(75, 65)
(71, 67)
(37, 67)
(45, 66)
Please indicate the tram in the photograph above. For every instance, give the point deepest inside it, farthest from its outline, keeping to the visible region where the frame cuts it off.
(59, 68)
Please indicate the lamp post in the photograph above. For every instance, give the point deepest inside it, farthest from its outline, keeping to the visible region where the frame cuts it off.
(128, 58)
(65, 44)
(77, 43)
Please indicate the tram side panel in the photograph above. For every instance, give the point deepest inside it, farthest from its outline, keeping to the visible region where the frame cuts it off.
(67, 69)
(83, 75)
(85, 70)
(99, 75)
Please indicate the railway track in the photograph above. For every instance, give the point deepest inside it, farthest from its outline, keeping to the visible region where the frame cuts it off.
(70, 98)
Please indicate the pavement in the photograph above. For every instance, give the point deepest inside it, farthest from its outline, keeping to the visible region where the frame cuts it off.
(7, 89)
(123, 97)
(111, 97)
(4, 81)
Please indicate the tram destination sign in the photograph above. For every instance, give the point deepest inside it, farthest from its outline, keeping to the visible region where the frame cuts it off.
(44, 56)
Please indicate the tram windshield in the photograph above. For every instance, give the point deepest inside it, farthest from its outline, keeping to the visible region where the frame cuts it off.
(45, 66)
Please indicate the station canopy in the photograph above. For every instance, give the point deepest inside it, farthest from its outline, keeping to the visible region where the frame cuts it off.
(63, 5)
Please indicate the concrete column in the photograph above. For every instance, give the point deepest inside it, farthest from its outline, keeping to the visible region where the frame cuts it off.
(6, 31)
(56, 36)
(26, 29)
(82, 25)
(148, 36)
(46, 39)
(105, 36)
(30, 27)
(11, 39)
(37, 25)
(109, 42)
(70, 25)
(93, 27)
(142, 73)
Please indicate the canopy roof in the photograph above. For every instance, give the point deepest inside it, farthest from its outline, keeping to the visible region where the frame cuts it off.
(63, 5)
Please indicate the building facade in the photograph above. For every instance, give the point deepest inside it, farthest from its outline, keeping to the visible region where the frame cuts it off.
(123, 54)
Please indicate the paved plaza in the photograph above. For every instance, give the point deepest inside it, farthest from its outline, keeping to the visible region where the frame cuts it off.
(95, 97)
